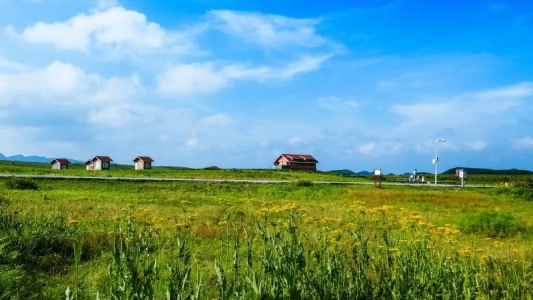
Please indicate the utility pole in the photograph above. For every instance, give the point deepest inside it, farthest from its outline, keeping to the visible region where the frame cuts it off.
(436, 159)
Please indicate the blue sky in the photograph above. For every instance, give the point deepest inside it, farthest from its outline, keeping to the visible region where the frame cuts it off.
(358, 84)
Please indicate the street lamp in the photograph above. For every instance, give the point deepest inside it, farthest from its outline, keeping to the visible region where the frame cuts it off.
(436, 159)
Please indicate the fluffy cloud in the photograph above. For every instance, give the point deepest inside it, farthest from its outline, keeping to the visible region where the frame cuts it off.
(476, 145)
(524, 143)
(463, 110)
(209, 77)
(334, 103)
(108, 27)
(65, 84)
(272, 31)
(381, 148)
(219, 119)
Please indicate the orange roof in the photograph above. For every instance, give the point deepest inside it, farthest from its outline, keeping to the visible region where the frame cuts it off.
(100, 158)
(298, 158)
(143, 158)
(63, 161)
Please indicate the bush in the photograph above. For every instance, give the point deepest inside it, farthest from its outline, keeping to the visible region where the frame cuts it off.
(212, 168)
(21, 184)
(304, 183)
(520, 190)
(491, 223)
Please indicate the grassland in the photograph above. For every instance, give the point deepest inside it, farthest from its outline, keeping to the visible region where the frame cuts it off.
(183, 240)
(8, 167)
(12, 167)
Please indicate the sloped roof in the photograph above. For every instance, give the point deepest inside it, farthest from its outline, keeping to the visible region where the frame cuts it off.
(143, 158)
(63, 161)
(100, 158)
(304, 158)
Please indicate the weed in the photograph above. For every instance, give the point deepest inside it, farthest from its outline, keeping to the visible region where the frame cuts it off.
(21, 184)
(303, 183)
(491, 224)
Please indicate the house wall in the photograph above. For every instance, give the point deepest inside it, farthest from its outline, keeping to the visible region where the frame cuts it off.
(139, 165)
(90, 166)
(282, 161)
(287, 165)
(303, 166)
(105, 165)
(56, 166)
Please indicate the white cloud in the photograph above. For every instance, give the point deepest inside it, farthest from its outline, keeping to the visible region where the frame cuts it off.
(271, 31)
(381, 148)
(334, 103)
(65, 84)
(191, 143)
(520, 90)
(524, 143)
(476, 145)
(10, 65)
(194, 78)
(111, 116)
(219, 119)
(351, 103)
(109, 27)
(209, 77)
(294, 141)
(55, 80)
(463, 110)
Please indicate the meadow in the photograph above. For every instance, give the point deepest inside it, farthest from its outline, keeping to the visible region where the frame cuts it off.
(83, 239)
(213, 172)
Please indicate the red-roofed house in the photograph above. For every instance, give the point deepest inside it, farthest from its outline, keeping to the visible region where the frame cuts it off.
(296, 162)
(60, 163)
(143, 162)
(99, 163)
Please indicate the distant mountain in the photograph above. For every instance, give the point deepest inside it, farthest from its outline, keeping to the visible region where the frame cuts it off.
(491, 171)
(343, 172)
(31, 158)
(365, 173)
(347, 172)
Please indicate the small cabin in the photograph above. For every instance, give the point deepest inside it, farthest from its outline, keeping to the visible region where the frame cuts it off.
(296, 162)
(60, 163)
(99, 163)
(143, 163)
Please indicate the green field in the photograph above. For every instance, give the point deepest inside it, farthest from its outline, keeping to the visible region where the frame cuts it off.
(188, 240)
(17, 168)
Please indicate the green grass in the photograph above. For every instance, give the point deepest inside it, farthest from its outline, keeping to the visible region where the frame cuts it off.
(8, 167)
(219, 240)
(12, 167)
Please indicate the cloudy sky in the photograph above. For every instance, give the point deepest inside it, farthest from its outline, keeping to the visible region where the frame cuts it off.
(232, 83)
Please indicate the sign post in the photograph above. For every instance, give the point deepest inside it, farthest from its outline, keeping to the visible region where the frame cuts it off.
(461, 173)
(377, 177)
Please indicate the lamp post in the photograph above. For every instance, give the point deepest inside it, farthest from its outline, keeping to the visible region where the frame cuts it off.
(436, 159)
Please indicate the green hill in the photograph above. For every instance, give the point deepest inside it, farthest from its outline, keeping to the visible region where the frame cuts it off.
(472, 171)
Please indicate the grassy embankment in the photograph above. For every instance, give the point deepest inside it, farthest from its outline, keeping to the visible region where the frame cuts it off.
(238, 240)
(9, 167)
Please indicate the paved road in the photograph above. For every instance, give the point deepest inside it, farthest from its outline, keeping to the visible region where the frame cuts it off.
(421, 185)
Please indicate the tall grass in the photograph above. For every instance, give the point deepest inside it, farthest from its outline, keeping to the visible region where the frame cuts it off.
(81, 240)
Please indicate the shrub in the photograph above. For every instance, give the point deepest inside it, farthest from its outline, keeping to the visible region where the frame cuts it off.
(212, 168)
(21, 184)
(304, 183)
(522, 190)
(491, 223)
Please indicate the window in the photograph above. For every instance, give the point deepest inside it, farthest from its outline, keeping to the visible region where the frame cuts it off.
(147, 165)
(105, 165)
